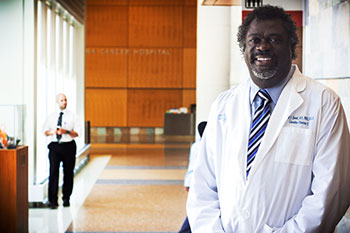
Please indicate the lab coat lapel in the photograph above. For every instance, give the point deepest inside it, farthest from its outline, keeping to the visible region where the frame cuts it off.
(239, 123)
(288, 102)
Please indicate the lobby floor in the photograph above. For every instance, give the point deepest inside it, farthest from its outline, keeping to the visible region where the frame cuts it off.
(128, 188)
(125, 187)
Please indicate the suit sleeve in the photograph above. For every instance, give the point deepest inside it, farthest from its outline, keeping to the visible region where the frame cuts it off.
(330, 190)
(203, 207)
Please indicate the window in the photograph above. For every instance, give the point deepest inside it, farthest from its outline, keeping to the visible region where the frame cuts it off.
(56, 72)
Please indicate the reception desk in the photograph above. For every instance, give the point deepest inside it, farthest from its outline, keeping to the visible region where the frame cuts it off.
(14, 190)
(179, 124)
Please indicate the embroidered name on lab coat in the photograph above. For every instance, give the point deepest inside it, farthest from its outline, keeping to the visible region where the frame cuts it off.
(300, 120)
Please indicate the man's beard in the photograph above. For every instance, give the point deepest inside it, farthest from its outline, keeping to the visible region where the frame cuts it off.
(265, 74)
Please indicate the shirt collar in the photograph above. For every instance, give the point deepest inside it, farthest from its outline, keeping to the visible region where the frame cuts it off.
(275, 91)
(59, 110)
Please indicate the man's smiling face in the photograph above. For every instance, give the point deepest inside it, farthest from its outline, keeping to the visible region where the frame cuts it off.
(267, 52)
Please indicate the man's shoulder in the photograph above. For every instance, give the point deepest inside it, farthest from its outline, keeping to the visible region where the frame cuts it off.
(69, 113)
(53, 114)
(233, 92)
(229, 99)
(317, 87)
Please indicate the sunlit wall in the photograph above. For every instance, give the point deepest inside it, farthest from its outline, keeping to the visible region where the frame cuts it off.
(327, 46)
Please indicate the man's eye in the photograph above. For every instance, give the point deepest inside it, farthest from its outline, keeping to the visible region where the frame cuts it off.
(254, 41)
(274, 40)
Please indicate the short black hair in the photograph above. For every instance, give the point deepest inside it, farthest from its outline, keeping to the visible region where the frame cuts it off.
(267, 12)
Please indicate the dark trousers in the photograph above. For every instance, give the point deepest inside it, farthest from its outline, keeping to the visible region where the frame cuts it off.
(64, 152)
(185, 227)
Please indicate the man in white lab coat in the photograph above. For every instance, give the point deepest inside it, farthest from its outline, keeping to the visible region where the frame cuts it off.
(294, 174)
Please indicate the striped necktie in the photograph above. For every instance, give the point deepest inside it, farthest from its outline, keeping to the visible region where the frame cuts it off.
(257, 129)
(59, 124)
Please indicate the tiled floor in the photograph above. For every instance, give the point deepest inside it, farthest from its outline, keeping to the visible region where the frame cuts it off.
(43, 220)
(133, 188)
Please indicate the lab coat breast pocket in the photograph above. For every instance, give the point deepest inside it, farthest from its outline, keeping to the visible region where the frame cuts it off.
(295, 146)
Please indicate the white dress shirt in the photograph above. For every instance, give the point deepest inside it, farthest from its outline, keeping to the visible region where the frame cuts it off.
(69, 122)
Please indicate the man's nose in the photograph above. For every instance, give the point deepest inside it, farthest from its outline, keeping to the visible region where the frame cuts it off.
(263, 45)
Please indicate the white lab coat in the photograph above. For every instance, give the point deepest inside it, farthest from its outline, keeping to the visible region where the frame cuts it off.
(191, 162)
(300, 178)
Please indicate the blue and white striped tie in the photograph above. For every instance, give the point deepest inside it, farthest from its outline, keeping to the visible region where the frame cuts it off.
(259, 124)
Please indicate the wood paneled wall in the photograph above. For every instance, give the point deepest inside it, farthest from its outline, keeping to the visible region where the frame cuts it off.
(140, 60)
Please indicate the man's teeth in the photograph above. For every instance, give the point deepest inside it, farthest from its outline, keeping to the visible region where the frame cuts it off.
(263, 58)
